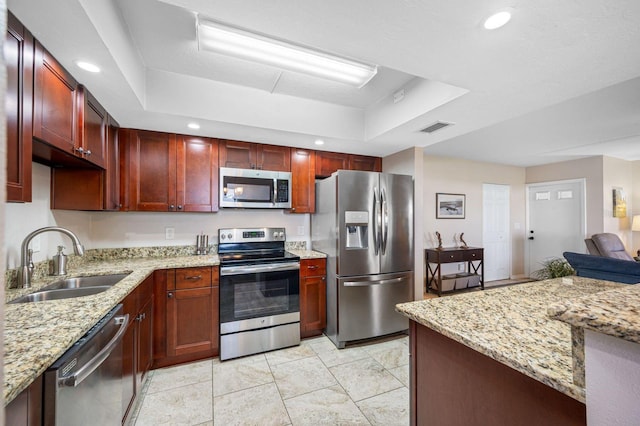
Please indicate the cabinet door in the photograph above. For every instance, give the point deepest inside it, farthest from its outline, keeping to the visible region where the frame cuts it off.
(241, 155)
(152, 171)
(329, 162)
(56, 103)
(93, 139)
(313, 304)
(112, 174)
(197, 174)
(303, 194)
(18, 54)
(128, 368)
(145, 341)
(273, 157)
(365, 163)
(26, 408)
(190, 321)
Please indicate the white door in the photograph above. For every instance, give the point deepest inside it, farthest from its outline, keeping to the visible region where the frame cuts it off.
(496, 238)
(556, 221)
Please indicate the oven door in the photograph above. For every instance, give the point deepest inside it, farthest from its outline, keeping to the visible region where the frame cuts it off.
(256, 296)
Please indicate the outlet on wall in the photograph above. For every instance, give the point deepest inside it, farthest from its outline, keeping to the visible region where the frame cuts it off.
(460, 266)
(169, 233)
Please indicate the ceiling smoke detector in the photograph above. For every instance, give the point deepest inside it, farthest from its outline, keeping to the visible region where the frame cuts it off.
(435, 126)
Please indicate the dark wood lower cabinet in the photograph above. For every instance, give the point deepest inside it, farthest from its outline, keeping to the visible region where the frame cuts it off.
(137, 344)
(313, 297)
(186, 326)
(26, 408)
(451, 384)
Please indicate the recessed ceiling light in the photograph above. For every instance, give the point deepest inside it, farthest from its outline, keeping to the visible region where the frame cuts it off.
(194, 126)
(497, 20)
(87, 66)
(319, 142)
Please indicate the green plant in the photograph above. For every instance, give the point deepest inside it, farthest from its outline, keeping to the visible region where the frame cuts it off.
(553, 268)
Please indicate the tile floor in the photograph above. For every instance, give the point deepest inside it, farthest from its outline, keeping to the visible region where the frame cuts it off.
(310, 384)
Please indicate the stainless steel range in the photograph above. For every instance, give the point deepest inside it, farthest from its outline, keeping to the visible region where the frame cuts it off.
(259, 292)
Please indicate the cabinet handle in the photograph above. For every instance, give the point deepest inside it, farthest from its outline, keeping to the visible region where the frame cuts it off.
(88, 152)
(169, 295)
(195, 277)
(312, 267)
(80, 150)
(179, 207)
(171, 207)
(293, 209)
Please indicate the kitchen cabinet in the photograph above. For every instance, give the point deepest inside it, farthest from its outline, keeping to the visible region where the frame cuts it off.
(26, 408)
(303, 192)
(247, 155)
(90, 188)
(168, 172)
(187, 323)
(329, 162)
(93, 119)
(18, 56)
(137, 343)
(313, 296)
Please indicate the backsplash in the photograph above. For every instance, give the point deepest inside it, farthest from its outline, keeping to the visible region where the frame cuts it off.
(41, 269)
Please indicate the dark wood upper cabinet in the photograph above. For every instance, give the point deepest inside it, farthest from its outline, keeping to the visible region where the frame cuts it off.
(329, 162)
(168, 172)
(303, 166)
(247, 155)
(365, 163)
(56, 103)
(94, 122)
(197, 174)
(18, 55)
(112, 174)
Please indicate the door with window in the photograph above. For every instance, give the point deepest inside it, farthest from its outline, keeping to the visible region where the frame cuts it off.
(555, 221)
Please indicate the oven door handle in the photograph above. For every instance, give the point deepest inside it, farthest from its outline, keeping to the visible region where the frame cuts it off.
(252, 269)
(99, 358)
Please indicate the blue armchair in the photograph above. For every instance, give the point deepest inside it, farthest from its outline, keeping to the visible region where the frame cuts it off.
(604, 268)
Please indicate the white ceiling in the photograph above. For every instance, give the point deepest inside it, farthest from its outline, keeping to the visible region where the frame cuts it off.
(560, 81)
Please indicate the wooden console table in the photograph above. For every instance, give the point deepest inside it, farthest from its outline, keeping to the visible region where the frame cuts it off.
(436, 257)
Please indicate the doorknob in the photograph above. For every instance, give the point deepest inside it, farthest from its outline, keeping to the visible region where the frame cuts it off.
(531, 238)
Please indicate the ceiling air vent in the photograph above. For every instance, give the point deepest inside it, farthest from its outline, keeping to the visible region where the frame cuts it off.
(435, 126)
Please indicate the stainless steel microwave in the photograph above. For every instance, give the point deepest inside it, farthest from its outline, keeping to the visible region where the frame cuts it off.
(259, 189)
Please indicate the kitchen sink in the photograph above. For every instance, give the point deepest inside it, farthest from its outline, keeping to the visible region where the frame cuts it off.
(72, 287)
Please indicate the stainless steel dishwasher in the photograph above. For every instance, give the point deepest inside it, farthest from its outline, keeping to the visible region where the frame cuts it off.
(84, 386)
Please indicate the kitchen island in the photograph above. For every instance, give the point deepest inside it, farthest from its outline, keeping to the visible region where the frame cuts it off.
(37, 334)
(496, 357)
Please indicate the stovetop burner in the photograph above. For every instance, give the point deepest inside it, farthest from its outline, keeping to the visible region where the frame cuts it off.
(246, 246)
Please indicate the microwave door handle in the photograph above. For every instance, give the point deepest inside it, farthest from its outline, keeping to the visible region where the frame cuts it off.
(275, 192)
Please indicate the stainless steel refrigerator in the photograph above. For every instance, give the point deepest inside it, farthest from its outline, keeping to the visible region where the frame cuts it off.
(364, 223)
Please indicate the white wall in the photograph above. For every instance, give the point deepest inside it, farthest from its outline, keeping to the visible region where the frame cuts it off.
(456, 176)
(635, 200)
(128, 229)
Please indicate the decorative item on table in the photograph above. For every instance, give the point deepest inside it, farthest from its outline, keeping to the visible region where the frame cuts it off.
(202, 244)
(464, 243)
(450, 206)
(619, 202)
(439, 240)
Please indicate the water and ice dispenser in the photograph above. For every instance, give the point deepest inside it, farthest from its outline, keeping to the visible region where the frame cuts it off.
(357, 223)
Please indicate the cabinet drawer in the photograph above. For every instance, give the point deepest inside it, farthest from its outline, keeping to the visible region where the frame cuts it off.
(313, 267)
(455, 256)
(193, 278)
(473, 255)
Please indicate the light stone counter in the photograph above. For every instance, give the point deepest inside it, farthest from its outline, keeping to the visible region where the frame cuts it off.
(307, 254)
(511, 325)
(36, 334)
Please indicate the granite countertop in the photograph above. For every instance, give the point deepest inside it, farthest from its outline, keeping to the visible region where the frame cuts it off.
(615, 313)
(36, 334)
(511, 325)
(307, 254)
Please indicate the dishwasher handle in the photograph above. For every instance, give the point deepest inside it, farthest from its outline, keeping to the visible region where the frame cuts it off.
(95, 362)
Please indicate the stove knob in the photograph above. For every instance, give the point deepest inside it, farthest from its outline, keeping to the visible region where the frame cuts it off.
(281, 234)
(275, 235)
(229, 235)
(222, 236)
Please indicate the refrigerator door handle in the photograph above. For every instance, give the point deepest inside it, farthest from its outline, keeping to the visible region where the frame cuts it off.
(370, 283)
(385, 221)
(376, 240)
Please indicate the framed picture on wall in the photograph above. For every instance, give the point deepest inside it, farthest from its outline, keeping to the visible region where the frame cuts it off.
(450, 206)
(619, 202)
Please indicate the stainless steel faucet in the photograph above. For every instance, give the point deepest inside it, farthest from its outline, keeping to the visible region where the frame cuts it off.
(24, 274)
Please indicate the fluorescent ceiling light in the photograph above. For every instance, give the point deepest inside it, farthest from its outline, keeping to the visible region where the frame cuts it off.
(193, 126)
(231, 41)
(497, 20)
(87, 66)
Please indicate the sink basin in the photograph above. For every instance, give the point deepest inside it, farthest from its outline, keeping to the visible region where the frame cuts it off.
(72, 287)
